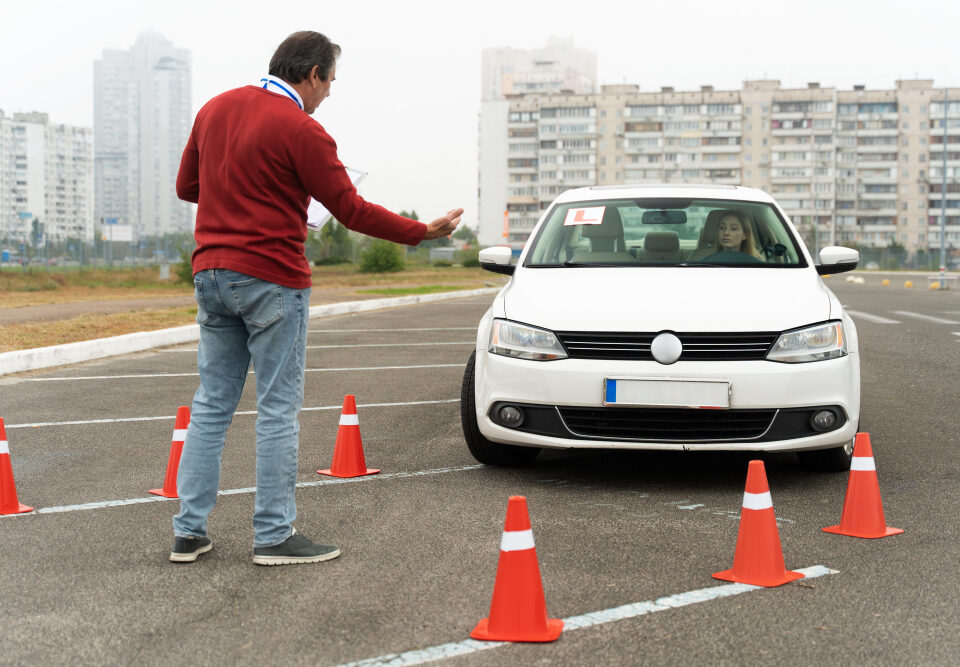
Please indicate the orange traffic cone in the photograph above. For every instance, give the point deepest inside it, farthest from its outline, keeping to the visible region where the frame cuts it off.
(348, 451)
(169, 489)
(9, 504)
(862, 507)
(758, 559)
(518, 611)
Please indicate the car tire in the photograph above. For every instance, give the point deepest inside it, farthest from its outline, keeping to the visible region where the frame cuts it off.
(835, 459)
(483, 450)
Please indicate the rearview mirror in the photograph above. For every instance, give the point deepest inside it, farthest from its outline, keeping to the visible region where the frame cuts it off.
(836, 259)
(664, 217)
(497, 259)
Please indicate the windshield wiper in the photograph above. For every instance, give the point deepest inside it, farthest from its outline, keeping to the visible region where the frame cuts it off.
(716, 266)
(570, 262)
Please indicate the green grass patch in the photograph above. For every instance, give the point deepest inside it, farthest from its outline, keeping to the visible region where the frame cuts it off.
(403, 291)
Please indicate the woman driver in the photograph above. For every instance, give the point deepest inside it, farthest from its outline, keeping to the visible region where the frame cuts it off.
(734, 234)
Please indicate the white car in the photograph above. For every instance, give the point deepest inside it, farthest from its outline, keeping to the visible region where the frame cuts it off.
(670, 317)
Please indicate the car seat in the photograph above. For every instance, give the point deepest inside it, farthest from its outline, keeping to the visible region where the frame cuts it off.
(607, 243)
(661, 246)
(707, 243)
(608, 235)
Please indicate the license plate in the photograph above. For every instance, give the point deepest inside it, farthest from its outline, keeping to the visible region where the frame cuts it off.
(667, 393)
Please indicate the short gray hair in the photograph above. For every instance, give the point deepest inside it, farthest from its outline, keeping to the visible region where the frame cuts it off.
(299, 53)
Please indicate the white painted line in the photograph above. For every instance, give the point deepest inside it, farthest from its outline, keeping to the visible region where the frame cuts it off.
(118, 420)
(17, 361)
(927, 318)
(177, 375)
(633, 610)
(955, 333)
(234, 492)
(335, 347)
(871, 318)
(389, 330)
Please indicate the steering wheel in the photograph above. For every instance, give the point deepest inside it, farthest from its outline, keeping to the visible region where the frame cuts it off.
(731, 257)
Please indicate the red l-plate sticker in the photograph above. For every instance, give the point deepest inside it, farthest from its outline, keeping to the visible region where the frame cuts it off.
(591, 215)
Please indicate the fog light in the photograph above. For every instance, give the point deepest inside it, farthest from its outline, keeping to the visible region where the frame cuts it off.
(510, 416)
(824, 420)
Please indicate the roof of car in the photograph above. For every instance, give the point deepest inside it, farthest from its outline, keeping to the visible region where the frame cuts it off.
(665, 190)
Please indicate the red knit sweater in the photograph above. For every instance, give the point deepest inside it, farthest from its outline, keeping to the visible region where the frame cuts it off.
(252, 162)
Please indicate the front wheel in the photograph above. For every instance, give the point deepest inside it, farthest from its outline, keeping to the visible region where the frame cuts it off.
(483, 450)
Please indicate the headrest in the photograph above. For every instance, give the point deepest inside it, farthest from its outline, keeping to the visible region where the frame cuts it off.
(708, 235)
(610, 228)
(661, 242)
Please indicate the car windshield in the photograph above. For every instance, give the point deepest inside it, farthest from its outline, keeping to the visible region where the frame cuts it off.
(664, 232)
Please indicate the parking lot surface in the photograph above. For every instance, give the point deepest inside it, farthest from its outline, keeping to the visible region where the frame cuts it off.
(85, 579)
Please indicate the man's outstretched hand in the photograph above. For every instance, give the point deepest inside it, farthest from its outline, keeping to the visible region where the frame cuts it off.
(444, 225)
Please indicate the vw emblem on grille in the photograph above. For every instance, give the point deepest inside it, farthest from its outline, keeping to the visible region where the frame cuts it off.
(666, 348)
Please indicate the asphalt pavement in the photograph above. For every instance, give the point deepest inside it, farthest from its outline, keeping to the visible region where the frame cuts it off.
(85, 579)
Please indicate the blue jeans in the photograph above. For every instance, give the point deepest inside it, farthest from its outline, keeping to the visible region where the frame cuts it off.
(241, 319)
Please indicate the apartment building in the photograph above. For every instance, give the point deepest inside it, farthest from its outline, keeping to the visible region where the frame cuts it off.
(510, 198)
(142, 118)
(850, 166)
(46, 174)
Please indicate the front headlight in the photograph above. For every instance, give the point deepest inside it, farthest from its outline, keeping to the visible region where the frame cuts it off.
(523, 342)
(823, 341)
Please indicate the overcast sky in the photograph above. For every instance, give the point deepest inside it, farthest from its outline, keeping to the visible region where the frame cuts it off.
(406, 100)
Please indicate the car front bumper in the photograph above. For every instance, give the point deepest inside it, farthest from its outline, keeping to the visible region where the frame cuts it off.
(563, 386)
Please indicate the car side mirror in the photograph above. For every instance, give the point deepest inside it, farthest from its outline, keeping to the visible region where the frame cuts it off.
(497, 259)
(835, 259)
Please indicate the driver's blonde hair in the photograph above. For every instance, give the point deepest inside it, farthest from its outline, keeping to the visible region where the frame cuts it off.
(747, 245)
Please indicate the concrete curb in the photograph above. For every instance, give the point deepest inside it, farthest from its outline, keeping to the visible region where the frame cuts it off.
(19, 361)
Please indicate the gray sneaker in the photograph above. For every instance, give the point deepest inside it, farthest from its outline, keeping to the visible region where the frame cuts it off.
(297, 549)
(186, 549)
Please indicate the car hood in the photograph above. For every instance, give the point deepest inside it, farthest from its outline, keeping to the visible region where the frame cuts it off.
(670, 298)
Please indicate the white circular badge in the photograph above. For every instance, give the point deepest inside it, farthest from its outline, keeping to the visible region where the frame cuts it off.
(666, 348)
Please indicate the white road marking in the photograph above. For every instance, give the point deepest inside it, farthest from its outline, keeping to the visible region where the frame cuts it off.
(928, 318)
(177, 375)
(119, 420)
(633, 610)
(234, 492)
(389, 330)
(871, 318)
(334, 347)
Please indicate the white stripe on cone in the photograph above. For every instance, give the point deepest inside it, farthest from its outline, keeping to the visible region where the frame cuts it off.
(862, 463)
(179, 434)
(516, 540)
(349, 420)
(757, 501)
(4, 448)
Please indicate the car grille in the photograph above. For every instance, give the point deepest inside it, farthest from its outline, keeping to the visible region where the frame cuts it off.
(667, 424)
(696, 346)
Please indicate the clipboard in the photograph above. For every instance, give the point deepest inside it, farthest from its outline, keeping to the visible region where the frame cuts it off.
(317, 213)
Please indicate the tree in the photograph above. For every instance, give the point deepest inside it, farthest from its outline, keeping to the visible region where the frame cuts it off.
(464, 233)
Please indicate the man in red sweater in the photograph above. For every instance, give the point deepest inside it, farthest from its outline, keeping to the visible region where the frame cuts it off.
(252, 162)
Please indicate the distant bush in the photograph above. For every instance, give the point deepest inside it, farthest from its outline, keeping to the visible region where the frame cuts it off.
(442, 262)
(468, 257)
(381, 257)
(331, 261)
(184, 272)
